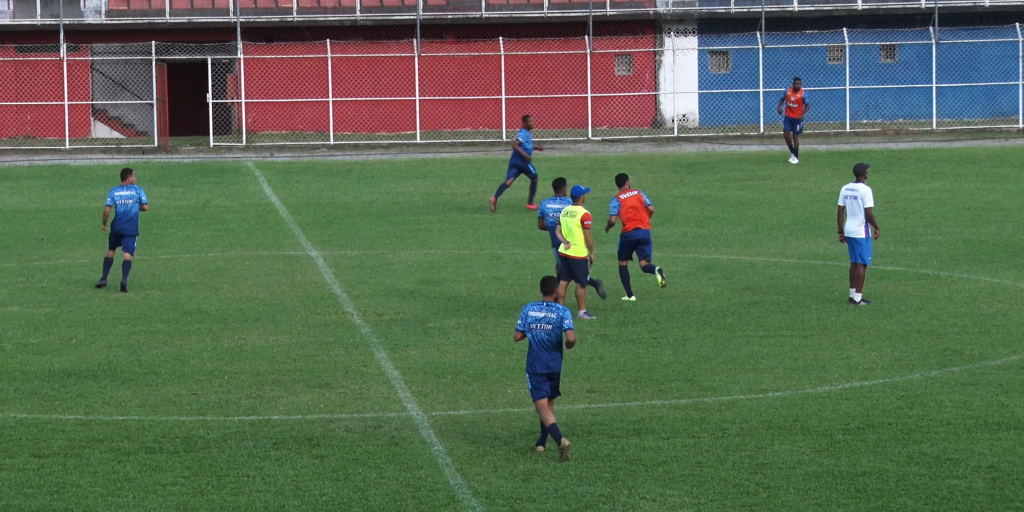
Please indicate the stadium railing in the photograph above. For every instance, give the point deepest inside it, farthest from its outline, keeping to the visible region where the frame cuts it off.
(677, 83)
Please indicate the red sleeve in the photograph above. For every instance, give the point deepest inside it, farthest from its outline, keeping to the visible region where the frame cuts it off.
(586, 221)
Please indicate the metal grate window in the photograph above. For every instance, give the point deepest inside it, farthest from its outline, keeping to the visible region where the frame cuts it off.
(624, 64)
(836, 54)
(719, 62)
(888, 53)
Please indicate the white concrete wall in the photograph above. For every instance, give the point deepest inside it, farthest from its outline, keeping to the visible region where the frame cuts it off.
(678, 74)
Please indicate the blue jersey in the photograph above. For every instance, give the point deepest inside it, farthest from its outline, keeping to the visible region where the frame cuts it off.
(127, 201)
(549, 210)
(525, 139)
(544, 323)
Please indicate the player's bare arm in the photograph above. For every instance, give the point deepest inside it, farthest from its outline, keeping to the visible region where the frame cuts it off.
(570, 339)
(650, 211)
(538, 147)
(611, 223)
(106, 217)
(519, 336)
(518, 147)
(807, 108)
(782, 102)
(590, 244)
(540, 224)
(869, 214)
(561, 238)
(840, 219)
(144, 208)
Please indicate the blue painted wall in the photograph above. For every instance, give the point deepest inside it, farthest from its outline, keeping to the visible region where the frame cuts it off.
(987, 60)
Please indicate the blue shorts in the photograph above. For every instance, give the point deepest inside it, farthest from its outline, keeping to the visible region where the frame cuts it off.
(543, 385)
(516, 168)
(860, 250)
(573, 269)
(791, 124)
(125, 242)
(643, 247)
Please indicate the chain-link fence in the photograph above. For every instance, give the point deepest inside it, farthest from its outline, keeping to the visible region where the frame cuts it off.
(680, 81)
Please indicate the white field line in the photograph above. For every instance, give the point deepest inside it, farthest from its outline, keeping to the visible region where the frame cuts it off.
(409, 401)
(456, 251)
(647, 403)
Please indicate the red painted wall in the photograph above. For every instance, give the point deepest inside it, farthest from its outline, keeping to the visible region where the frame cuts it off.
(30, 79)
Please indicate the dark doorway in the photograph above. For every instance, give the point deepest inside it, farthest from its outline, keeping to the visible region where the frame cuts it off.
(187, 84)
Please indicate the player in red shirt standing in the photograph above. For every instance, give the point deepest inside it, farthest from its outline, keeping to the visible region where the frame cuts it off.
(795, 101)
(635, 210)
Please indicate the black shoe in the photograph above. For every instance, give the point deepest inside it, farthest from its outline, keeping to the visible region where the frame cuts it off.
(852, 302)
(102, 283)
(861, 303)
(601, 292)
(124, 287)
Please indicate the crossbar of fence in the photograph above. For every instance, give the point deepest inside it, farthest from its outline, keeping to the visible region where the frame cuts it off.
(625, 87)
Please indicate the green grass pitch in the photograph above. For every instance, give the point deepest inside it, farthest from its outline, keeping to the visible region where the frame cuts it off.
(232, 377)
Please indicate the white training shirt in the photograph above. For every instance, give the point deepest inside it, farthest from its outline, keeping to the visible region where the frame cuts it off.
(856, 197)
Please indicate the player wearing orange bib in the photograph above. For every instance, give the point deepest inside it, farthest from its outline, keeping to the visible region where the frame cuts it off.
(796, 107)
(635, 210)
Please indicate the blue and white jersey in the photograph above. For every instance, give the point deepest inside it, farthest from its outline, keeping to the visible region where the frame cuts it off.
(525, 139)
(544, 324)
(126, 200)
(550, 210)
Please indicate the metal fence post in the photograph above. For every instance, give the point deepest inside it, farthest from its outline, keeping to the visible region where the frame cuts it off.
(760, 78)
(209, 92)
(846, 57)
(935, 42)
(241, 83)
(675, 92)
(590, 106)
(501, 49)
(156, 135)
(330, 93)
(1020, 79)
(416, 71)
(64, 61)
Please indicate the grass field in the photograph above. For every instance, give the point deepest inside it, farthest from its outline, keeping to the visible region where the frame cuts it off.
(233, 377)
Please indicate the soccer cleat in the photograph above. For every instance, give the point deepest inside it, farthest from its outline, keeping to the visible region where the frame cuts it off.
(102, 283)
(124, 287)
(539, 448)
(852, 302)
(494, 204)
(583, 315)
(792, 159)
(795, 160)
(629, 299)
(861, 303)
(660, 274)
(601, 292)
(531, 206)
(564, 448)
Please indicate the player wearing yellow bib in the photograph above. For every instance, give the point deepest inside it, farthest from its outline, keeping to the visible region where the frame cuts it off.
(576, 253)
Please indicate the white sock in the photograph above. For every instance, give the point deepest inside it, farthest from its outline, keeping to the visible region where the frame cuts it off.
(857, 297)
(853, 292)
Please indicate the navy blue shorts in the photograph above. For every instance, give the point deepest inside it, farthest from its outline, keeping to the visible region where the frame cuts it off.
(573, 269)
(792, 124)
(543, 385)
(517, 168)
(643, 247)
(125, 242)
(860, 250)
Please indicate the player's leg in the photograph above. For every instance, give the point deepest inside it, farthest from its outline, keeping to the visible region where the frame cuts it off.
(543, 390)
(128, 251)
(113, 242)
(510, 178)
(787, 133)
(625, 255)
(542, 441)
(645, 253)
(558, 261)
(532, 174)
(581, 274)
(853, 282)
(564, 276)
(796, 143)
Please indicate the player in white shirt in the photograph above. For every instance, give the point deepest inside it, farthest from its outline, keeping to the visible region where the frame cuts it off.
(856, 202)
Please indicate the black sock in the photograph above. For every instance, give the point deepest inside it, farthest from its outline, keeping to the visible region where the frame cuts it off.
(126, 268)
(501, 190)
(796, 151)
(543, 439)
(592, 282)
(107, 264)
(533, 191)
(648, 268)
(624, 277)
(555, 433)
(791, 150)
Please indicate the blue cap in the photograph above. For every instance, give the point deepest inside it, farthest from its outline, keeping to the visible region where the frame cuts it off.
(579, 191)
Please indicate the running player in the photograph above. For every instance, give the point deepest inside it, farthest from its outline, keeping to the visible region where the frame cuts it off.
(635, 210)
(521, 163)
(576, 251)
(856, 205)
(127, 200)
(797, 106)
(549, 211)
(544, 323)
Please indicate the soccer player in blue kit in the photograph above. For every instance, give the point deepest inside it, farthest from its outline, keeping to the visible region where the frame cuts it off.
(521, 163)
(550, 210)
(544, 323)
(127, 200)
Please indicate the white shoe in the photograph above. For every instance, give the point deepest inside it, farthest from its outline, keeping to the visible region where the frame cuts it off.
(792, 159)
